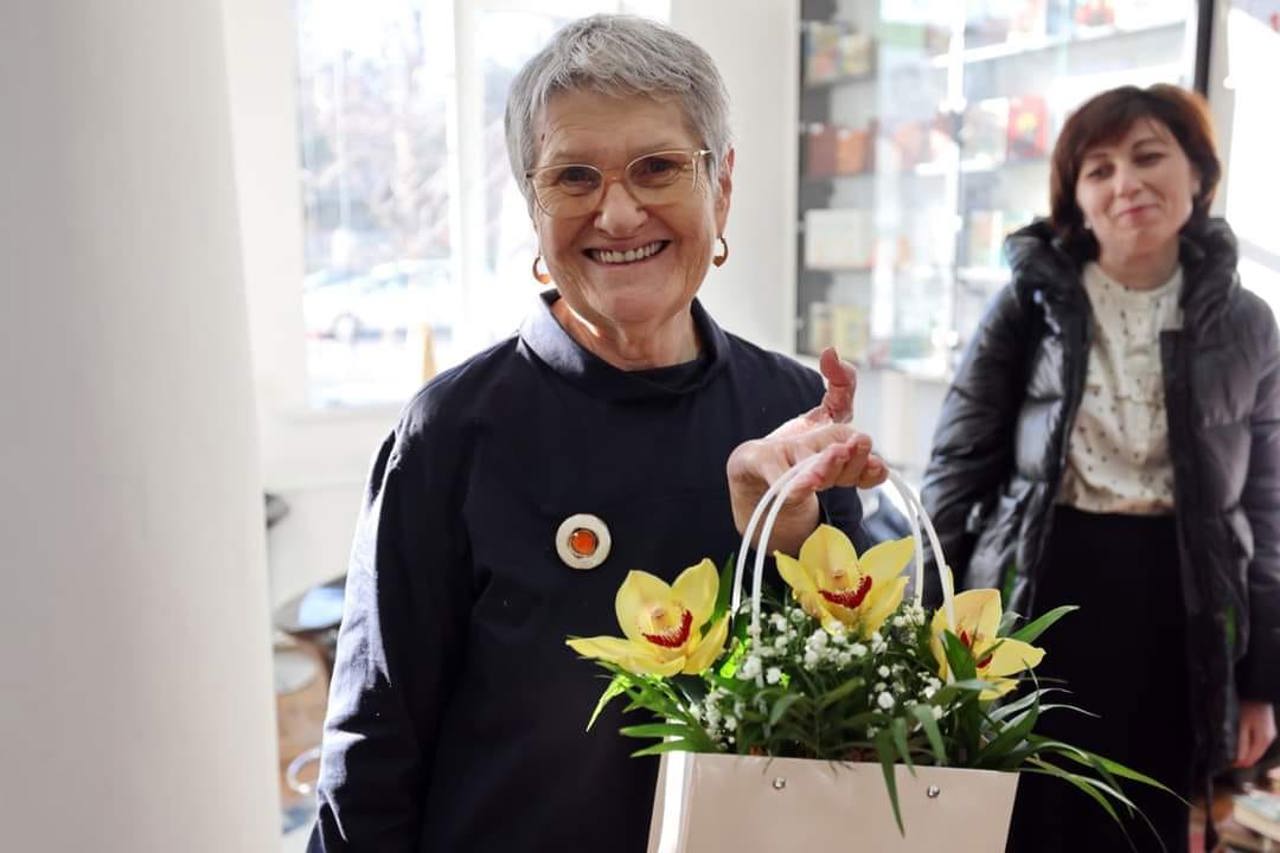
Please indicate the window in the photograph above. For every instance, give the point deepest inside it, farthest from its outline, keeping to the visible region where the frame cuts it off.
(417, 241)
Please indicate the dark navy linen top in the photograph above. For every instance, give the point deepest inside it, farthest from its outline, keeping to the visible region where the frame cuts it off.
(457, 713)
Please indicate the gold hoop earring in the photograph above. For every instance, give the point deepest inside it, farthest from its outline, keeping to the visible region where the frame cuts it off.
(722, 253)
(543, 277)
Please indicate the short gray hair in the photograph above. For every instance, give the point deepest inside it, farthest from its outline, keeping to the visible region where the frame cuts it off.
(618, 55)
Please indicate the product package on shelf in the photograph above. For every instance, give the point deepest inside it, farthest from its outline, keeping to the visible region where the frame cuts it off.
(985, 231)
(838, 239)
(857, 54)
(851, 330)
(855, 150)
(1027, 134)
(821, 143)
(984, 132)
(821, 45)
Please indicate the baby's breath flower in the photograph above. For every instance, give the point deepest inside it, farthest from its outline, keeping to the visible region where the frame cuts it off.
(750, 668)
(885, 701)
(883, 671)
(773, 675)
(810, 659)
(858, 650)
(818, 640)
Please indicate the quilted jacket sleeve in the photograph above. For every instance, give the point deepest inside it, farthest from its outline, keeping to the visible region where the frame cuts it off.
(973, 444)
(1258, 673)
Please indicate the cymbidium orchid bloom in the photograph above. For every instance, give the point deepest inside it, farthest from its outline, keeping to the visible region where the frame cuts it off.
(663, 624)
(841, 590)
(978, 613)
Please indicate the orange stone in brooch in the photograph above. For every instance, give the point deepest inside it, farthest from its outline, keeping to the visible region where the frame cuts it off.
(583, 541)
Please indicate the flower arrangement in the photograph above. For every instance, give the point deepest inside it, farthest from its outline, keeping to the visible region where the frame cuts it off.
(842, 669)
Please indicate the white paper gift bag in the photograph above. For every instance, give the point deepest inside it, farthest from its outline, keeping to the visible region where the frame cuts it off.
(709, 803)
(748, 804)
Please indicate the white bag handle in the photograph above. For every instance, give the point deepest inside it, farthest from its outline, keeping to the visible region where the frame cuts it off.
(773, 500)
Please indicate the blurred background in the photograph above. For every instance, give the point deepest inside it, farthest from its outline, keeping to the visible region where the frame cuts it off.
(243, 235)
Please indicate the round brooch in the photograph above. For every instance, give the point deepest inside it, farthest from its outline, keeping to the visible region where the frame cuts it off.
(583, 541)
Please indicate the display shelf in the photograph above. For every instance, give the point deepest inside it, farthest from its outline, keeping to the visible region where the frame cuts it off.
(1040, 44)
(915, 160)
(842, 80)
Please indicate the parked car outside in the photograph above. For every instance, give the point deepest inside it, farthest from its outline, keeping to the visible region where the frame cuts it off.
(387, 299)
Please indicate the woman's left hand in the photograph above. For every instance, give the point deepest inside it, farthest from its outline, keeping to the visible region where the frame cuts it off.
(1257, 731)
(847, 459)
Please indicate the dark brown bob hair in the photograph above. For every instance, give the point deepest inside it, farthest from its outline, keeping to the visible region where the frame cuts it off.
(1106, 118)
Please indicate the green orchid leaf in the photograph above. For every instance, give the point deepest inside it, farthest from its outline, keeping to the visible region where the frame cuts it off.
(1010, 736)
(725, 592)
(780, 707)
(898, 728)
(924, 713)
(1081, 784)
(833, 696)
(884, 749)
(664, 746)
(1029, 632)
(657, 730)
(1115, 768)
(617, 686)
(959, 657)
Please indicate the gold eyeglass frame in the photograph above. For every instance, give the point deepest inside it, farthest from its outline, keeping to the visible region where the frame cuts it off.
(695, 155)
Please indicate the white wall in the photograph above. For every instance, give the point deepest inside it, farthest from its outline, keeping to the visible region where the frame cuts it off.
(137, 701)
(756, 48)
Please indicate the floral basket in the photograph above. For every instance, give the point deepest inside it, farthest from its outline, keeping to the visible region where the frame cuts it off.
(841, 713)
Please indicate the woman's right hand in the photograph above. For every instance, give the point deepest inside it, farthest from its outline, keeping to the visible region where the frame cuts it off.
(847, 459)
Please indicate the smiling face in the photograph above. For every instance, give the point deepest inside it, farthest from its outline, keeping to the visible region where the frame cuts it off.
(1137, 192)
(629, 272)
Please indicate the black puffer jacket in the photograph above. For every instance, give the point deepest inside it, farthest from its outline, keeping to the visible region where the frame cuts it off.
(1001, 444)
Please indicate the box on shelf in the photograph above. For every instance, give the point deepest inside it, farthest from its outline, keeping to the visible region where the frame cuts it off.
(821, 45)
(821, 142)
(1096, 13)
(985, 232)
(984, 131)
(855, 150)
(851, 331)
(1027, 134)
(840, 239)
(857, 54)
(818, 329)
(835, 50)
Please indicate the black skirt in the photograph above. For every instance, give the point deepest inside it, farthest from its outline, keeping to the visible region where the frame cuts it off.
(1123, 656)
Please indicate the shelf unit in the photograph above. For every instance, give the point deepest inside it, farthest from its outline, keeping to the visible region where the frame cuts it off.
(921, 144)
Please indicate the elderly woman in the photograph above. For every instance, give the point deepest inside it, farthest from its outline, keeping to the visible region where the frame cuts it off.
(1112, 440)
(620, 429)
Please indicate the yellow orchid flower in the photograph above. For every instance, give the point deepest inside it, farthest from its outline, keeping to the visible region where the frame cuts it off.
(663, 624)
(978, 613)
(842, 591)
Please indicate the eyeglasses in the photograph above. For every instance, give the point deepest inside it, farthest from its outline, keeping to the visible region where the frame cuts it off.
(575, 189)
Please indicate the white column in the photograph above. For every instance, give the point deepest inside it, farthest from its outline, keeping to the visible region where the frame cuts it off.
(135, 689)
(756, 47)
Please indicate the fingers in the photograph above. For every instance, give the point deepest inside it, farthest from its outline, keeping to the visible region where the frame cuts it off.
(1257, 731)
(1248, 747)
(842, 381)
